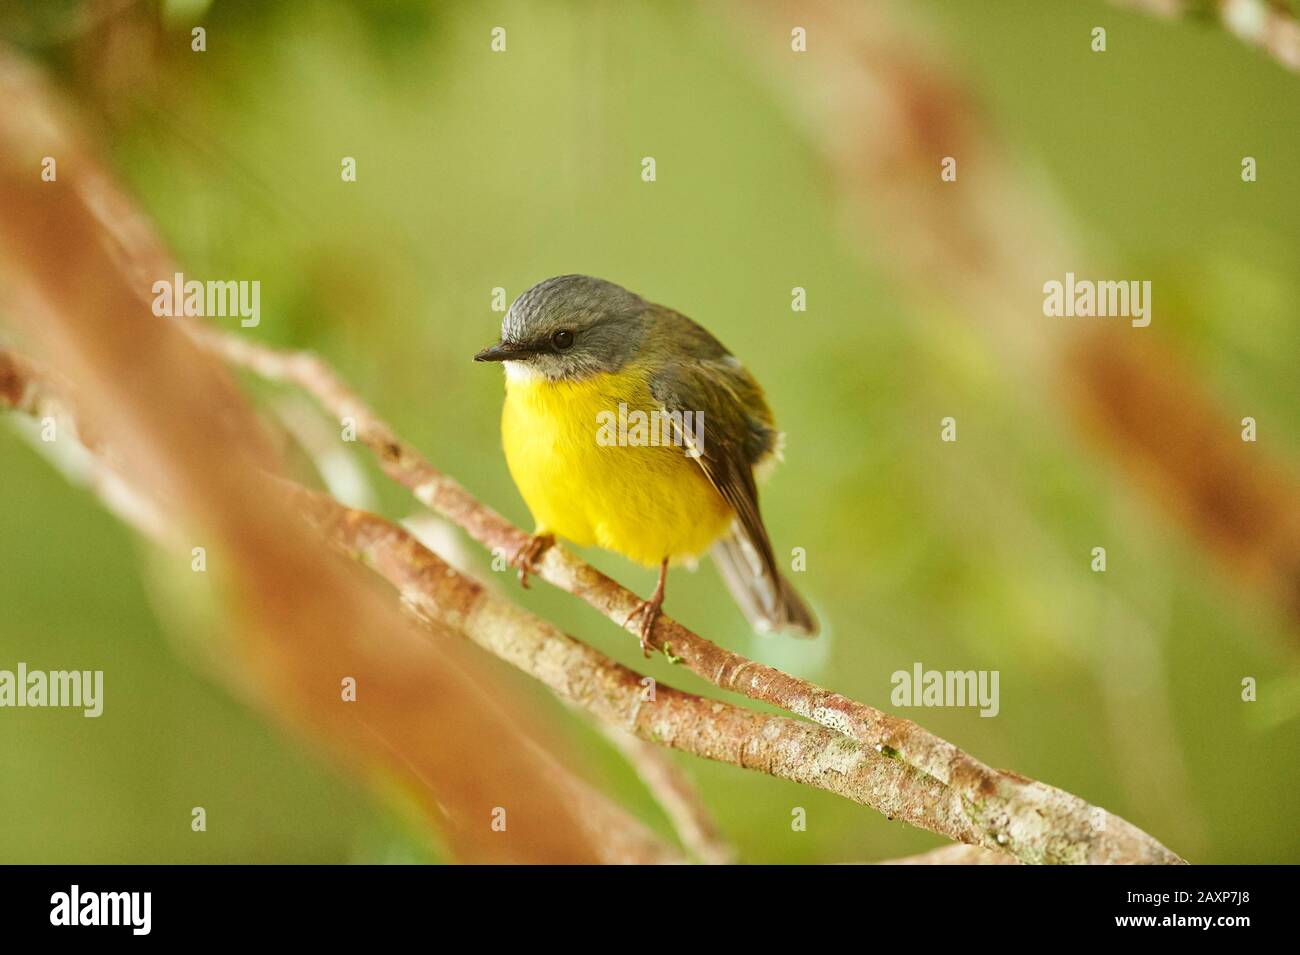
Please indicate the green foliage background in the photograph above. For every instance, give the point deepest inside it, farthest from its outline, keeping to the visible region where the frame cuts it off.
(478, 171)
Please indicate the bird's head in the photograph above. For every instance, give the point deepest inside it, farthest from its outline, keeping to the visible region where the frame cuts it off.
(569, 328)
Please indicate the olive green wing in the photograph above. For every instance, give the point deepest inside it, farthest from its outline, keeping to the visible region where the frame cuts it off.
(737, 433)
(732, 438)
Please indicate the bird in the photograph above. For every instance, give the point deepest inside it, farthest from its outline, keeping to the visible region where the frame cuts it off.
(628, 426)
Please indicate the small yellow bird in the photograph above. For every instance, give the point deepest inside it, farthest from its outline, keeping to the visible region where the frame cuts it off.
(628, 426)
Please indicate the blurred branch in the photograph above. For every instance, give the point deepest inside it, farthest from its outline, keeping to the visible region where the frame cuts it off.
(434, 720)
(675, 795)
(884, 110)
(27, 387)
(1263, 24)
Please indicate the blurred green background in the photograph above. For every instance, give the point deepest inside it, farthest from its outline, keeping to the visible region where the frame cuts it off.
(478, 170)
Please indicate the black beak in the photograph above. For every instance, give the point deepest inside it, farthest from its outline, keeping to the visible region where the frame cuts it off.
(506, 351)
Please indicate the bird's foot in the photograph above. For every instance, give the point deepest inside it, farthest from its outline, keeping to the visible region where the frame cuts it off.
(526, 557)
(648, 611)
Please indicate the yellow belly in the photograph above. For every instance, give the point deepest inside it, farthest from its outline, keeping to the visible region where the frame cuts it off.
(646, 503)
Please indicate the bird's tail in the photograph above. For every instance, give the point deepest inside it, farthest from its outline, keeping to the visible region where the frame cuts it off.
(766, 598)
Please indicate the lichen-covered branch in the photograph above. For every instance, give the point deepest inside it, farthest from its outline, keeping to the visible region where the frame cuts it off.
(777, 745)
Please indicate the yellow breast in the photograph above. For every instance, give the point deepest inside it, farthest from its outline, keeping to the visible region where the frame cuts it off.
(645, 502)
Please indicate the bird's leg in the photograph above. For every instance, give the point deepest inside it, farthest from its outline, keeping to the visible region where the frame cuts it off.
(526, 557)
(648, 610)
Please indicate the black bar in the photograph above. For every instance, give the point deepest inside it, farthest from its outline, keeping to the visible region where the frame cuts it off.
(215, 903)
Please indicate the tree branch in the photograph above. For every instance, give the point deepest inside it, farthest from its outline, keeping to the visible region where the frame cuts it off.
(777, 745)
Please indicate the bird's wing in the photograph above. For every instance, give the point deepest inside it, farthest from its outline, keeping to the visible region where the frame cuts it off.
(737, 432)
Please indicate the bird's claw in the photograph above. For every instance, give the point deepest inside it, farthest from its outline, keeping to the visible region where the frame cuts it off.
(648, 611)
(526, 557)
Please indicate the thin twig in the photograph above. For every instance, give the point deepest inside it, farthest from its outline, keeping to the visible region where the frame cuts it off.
(675, 795)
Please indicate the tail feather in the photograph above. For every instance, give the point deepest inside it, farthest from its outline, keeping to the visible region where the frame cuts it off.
(768, 604)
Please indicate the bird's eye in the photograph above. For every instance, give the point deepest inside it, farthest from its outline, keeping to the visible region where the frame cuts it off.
(562, 340)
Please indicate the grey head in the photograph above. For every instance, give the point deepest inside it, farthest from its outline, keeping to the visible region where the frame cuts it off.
(570, 327)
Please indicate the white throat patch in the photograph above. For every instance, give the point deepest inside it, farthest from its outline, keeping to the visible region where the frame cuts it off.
(521, 371)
